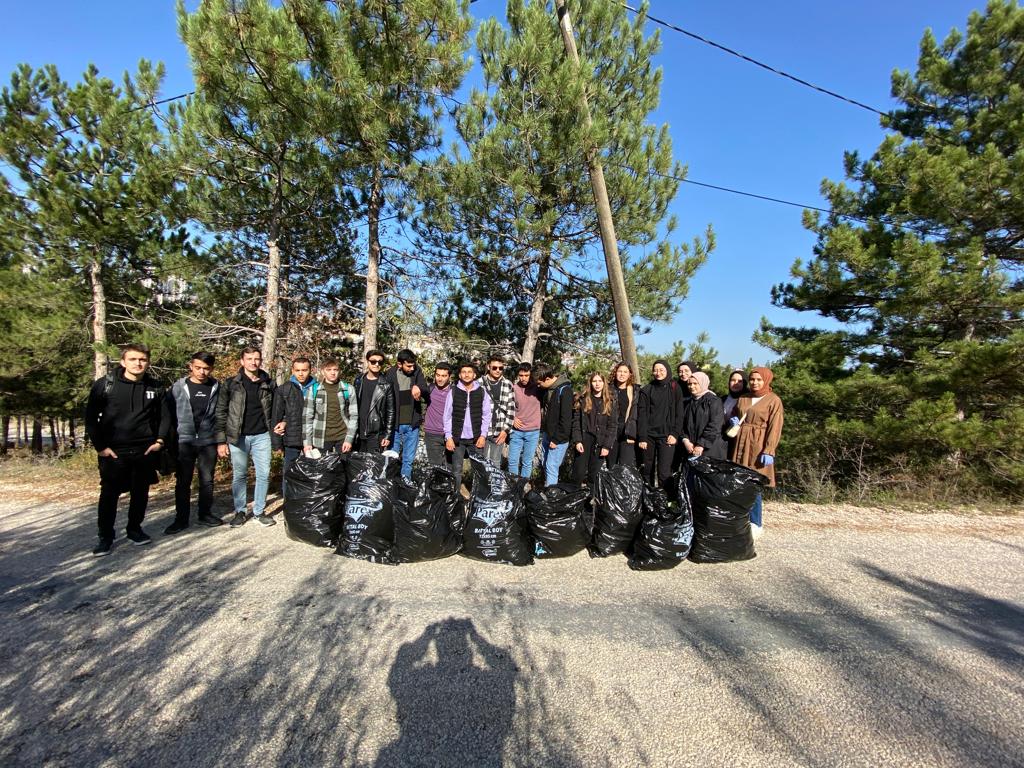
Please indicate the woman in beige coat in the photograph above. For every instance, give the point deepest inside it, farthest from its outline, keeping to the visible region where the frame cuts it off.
(759, 415)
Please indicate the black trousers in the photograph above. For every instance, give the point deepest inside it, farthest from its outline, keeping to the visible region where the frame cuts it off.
(437, 453)
(370, 443)
(658, 459)
(131, 472)
(586, 465)
(622, 453)
(190, 458)
(463, 449)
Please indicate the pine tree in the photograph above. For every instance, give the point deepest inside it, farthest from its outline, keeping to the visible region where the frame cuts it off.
(919, 261)
(88, 225)
(510, 216)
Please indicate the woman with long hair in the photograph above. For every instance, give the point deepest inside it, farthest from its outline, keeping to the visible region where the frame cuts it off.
(593, 427)
(759, 415)
(627, 396)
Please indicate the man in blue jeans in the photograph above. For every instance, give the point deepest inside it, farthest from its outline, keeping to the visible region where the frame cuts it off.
(522, 444)
(244, 420)
(556, 424)
(411, 392)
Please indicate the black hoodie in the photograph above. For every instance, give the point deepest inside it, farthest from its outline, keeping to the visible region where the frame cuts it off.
(132, 415)
(661, 411)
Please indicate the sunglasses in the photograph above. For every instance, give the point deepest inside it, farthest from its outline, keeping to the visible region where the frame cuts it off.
(497, 367)
(375, 362)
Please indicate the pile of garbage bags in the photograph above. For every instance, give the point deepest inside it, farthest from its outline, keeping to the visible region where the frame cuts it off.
(360, 505)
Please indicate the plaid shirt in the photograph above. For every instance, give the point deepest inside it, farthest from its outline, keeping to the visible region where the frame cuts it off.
(503, 401)
(314, 421)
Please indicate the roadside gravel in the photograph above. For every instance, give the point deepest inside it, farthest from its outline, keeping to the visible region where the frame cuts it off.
(855, 638)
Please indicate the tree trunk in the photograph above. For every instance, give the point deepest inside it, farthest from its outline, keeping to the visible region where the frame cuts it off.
(37, 435)
(373, 263)
(54, 437)
(273, 315)
(5, 424)
(72, 439)
(99, 320)
(20, 429)
(540, 297)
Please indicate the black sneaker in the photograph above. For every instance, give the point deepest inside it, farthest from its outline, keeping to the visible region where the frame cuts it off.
(175, 527)
(139, 537)
(266, 520)
(238, 519)
(210, 521)
(103, 548)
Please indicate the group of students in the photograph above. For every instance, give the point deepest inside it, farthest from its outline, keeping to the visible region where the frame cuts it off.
(461, 411)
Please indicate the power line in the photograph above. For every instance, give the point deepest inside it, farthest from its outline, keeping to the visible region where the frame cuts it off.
(755, 62)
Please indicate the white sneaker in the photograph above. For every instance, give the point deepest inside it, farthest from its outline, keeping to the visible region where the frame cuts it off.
(755, 531)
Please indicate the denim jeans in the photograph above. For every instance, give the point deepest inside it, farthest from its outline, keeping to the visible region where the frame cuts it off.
(522, 447)
(552, 458)
(290, 455)
(405, 440)
(755, 511)
(258, 447)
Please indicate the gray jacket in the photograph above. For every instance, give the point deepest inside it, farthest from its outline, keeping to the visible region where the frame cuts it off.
(181, 407)
(314, 419)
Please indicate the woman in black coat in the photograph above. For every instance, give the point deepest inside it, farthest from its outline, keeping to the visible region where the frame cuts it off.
(702, 420)
(627, 397)
(594, 428)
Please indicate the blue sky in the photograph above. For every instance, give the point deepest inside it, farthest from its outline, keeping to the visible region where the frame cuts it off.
(732, 124)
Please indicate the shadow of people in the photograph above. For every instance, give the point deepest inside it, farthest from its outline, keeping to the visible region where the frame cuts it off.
(455, 693)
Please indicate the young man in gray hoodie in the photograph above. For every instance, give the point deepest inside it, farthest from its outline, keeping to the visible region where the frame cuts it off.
(192, 400)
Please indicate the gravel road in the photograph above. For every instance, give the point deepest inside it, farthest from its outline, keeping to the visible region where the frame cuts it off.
(855, 638)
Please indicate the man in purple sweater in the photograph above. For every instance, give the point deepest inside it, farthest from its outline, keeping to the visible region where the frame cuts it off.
(522, 445)
(438, 395)
(467, 414)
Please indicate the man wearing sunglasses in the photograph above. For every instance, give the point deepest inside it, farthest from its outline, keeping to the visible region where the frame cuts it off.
(376, 404)
(503, 411)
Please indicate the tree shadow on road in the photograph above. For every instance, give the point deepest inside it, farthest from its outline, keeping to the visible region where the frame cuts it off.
(850, 671)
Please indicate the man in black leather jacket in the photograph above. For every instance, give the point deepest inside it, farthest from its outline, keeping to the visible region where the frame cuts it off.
(376, 402)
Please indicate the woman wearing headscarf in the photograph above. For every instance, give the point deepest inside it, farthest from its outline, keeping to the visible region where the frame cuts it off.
(659, 421)
(627, 396)
(593, 428)
(737, 387)
(702, 420)
(759, 416)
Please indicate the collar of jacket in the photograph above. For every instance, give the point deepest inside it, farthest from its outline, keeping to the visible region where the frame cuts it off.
(476, 385)
(264, 376)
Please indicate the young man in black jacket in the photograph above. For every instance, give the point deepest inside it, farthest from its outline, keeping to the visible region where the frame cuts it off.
(411, 393)
(556, 423)
(244, 423)
(375, 399)
(128, 422)
(289, 406)
(192, 400)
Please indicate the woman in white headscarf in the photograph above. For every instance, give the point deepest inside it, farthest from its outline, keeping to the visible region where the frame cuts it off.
(702, 419)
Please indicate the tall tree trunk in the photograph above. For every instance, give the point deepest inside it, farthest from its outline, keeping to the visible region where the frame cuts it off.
(37, 435)
(273, 315)
(99, 320)
(540, 297)
(72, 439)
(54, 437)
(5, 425)
(21, 429)
(373, 262)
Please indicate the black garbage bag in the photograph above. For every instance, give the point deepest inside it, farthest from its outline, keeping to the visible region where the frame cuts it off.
(369, 527)
(664, 537)
(428, 514)
(496, 529)
(617, 493)
(722, 495)
(561, 519)
(314, 509)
